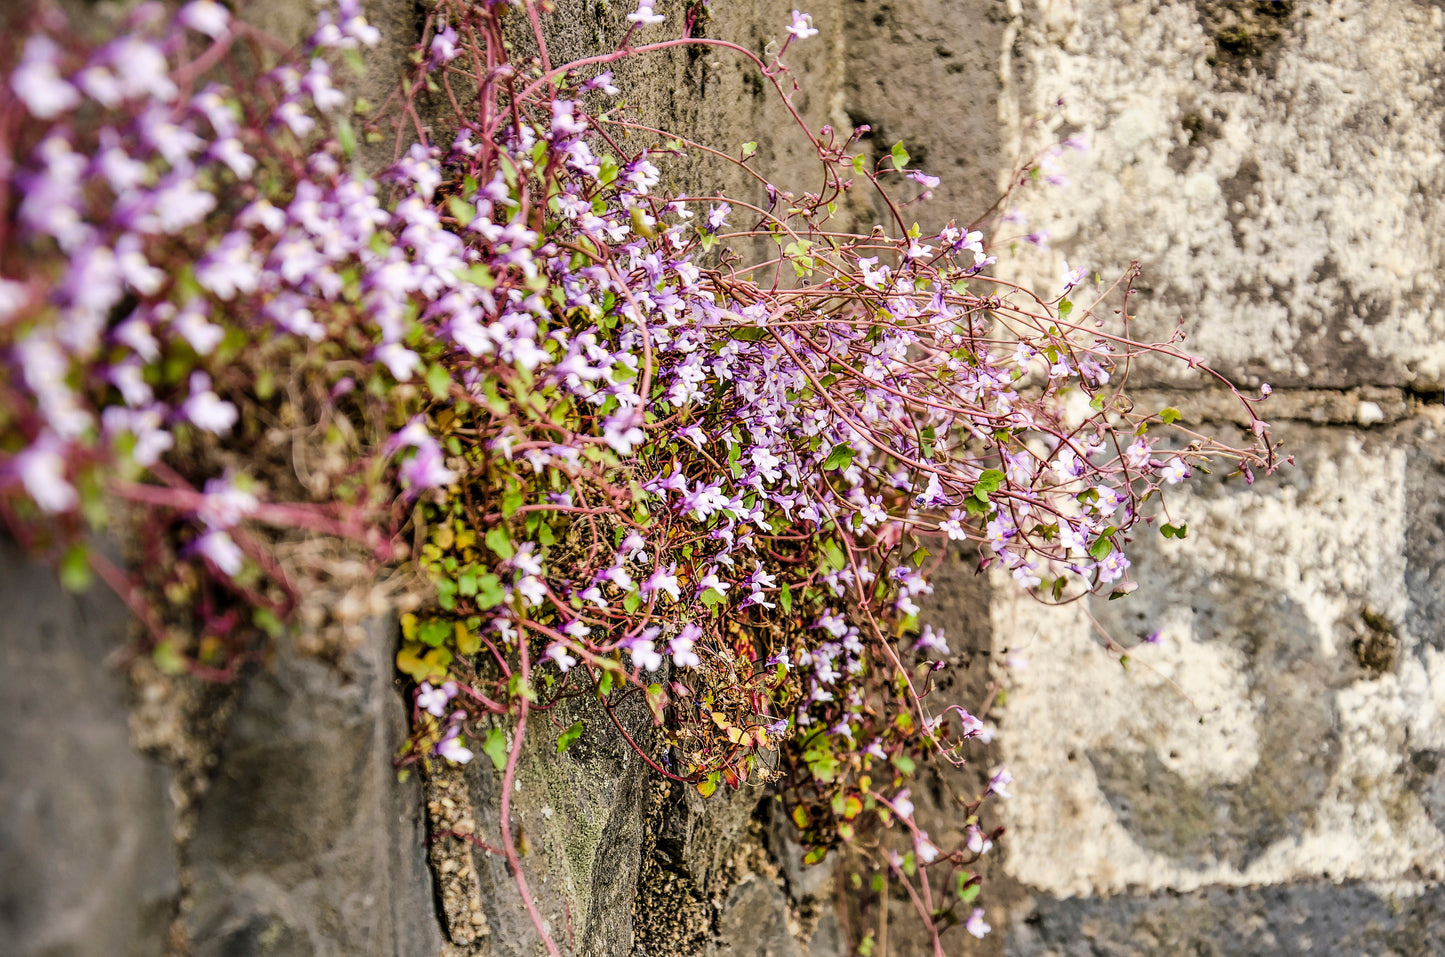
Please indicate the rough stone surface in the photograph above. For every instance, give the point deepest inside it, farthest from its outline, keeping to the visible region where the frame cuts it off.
(86, 861)
(305, 842)
(1258, 739)
(1272, 165)
(1276, 168)
(1308, 918)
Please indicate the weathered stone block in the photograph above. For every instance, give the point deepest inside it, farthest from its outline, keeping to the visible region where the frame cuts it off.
(87, 866)
(305, 842)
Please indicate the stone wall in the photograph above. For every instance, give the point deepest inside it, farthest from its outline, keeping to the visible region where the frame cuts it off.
(1264, 777)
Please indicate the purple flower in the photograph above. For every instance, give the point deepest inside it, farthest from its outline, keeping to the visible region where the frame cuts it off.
(662, 580)
(425, 469)
(205, 16)
(450, 747)
(206, 410)
(444, 46)
(999, 783)
(975, 924)
(931, 641)
(41, 469)
(558, 653)
(645, 654)
(603, 82)
(37, 81)
(682, 644)
(398, 359)
(221, 550)
(229, 268)
(1072, 277)
(435, 700)
(225, 505)
(645, 15)
(802, 26)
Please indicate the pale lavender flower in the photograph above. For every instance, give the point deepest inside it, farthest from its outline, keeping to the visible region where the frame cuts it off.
(976, 925)
(645, 15)
(206, 410)
(558, 653)
(451, 748)
(41, 470)
(434, 700)
(932, 641)
(999, 783)
(224, 504)
(37, 81)
(645, 654)
(206, 16)
(802, 26)
(681, 646)
(221, 550)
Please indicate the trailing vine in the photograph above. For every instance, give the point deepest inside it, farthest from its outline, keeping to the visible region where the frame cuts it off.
(617, 456)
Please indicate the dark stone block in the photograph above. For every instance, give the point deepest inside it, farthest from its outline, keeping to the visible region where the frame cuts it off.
(87, 865)
(305, 842)
(1323, 920)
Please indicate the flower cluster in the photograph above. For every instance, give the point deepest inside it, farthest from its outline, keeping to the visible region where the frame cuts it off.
(622, 464)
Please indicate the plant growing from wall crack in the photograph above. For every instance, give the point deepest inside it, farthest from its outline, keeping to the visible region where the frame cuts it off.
(619, 458)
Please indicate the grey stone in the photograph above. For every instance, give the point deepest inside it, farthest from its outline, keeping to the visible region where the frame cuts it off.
(1328, 920)
(86, 861)
(305, 842)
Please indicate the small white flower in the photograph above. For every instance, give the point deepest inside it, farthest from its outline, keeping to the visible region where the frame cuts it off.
(205, 16)
(645, 14)
(222, 550)
(802, 26)
(453, 751)
(558, 653)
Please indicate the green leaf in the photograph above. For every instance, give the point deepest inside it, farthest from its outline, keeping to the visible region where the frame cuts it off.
(467, 583)
(749, 149)
(632, 602)
(904, 763)
(708, 785)
(900, 156)
(266, 620)
(565, 739)
(860, 163)
(815, 856)
(840, 458)
(75, 569)
(434, 632)
(500, 542)
(1170, 415)
(1174, 531)
(439, 381)
(1065, 307)
(423, 667)
(495, 747)
(712, 598)
(346, 136)
(785, 598)
(489, 591)
(464, 211)
(988, 483)
(1101, 547)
